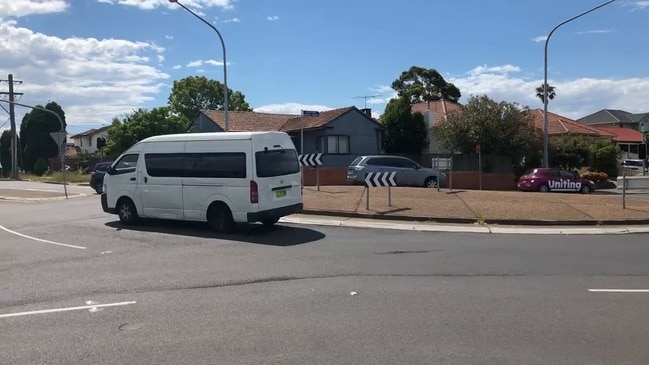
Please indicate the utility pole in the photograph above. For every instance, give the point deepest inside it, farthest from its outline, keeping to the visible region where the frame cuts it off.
(12, 117)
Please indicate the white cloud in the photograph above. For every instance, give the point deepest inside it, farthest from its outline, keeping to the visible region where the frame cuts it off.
(597, 31)
(381, 88)
(169, 37)
(152, 4)
(161, 58)
(575, 98)
(199, 63)
(18, 8)
(290, 108)
(637, 5)
(233, 20)
(540, 39)
(93, 80)
(497, 70)
(273, 18)
(177, 67)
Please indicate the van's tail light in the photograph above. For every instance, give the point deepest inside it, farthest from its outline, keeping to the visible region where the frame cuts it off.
(254, 192)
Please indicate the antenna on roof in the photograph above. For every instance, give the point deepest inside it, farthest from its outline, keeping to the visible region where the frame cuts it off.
(365, 97)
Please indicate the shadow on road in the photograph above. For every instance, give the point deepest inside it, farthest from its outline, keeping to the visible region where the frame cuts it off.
(278, 235)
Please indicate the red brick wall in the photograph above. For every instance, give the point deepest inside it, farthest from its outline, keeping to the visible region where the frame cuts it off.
(328, 176)
(470, 180)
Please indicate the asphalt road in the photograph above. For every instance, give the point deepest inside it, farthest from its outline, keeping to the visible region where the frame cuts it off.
(166, 292)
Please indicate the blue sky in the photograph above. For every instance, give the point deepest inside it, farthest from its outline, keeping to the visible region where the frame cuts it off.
(102, 58)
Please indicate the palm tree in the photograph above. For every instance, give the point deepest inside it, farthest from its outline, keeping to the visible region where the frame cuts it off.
(551, 93)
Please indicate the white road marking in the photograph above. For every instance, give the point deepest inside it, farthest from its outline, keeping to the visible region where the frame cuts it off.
(40, 239)
(619, 290)
(65, 309)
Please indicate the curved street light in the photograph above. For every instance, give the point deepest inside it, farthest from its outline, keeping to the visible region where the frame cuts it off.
(225, 69)
(545, 81)
(61, 150)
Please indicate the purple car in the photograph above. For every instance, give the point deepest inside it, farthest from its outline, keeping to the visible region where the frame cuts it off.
(552, 179)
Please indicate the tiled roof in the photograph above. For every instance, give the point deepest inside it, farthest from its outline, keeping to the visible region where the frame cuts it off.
(558, 124)
(440, 109)
(90, 132)
(295, 124)
(244, 121)
(624, 135)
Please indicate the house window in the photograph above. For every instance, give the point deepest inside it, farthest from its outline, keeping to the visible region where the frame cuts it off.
(335, 145)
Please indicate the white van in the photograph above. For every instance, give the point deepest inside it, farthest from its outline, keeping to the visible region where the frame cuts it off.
(219, 178)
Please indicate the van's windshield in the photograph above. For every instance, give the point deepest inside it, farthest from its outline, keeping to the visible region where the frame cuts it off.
(276, 163)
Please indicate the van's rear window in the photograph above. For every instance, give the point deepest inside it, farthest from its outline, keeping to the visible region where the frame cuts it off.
(276, 163)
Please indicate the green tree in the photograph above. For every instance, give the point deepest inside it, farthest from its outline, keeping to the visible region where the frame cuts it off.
(5, 152)
(405, 132)
(569, 152)
(604, 155)
(142, 124)
(40, 167)
(551, 93)
(420, 85)
(35, 130)
(500, 128)
(193, 93)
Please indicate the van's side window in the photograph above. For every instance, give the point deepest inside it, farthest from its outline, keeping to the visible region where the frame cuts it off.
(126, 164)
(166, 164)
(223, 165)
(208, 165)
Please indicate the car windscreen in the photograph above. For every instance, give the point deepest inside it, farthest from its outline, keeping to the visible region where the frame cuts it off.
(356, 161)
(102, 167)
(276, 163)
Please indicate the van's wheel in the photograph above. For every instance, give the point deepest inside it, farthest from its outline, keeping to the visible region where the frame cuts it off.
(126, 211)
(544, 188)
(219, 218)
(269, 222)
(585, 189)
(430, 182)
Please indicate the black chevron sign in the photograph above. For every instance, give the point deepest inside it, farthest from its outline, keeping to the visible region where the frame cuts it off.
(310, 159)
(376, 179)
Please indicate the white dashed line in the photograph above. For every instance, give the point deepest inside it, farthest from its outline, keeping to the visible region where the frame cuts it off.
(65, 309)
(40, 239)
(619, 290)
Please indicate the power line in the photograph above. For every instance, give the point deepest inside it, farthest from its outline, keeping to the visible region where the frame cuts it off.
(365, 97)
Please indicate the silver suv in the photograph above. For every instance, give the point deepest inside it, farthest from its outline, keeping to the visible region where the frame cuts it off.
(408, 172)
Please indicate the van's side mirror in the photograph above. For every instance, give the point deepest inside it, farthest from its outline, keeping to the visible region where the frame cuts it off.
(110, 171)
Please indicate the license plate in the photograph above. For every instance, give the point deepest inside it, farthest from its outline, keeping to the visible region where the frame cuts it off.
(280, 193)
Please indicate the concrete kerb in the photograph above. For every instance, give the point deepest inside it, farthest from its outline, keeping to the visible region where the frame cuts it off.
(503, 222)
(350, 222)
(55, 198)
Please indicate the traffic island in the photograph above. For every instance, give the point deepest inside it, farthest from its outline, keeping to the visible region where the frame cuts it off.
(471, 206)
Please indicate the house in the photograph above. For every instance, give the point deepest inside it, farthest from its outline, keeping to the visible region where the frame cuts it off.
(612, 118)
(434, 113)
(89, 140)
(340, 134)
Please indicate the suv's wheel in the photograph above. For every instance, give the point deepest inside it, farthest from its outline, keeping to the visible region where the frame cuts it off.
(219, 218)
(544, 188)
(99, 190)
(430, 182)
(126, 211)
(585, 189)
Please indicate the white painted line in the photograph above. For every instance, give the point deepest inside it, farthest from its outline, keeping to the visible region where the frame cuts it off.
(40, 239)
(619, 290)
(65, 309)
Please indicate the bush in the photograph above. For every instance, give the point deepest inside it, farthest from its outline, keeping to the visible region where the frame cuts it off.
(596, 177)
(40, 167)
(604, 155)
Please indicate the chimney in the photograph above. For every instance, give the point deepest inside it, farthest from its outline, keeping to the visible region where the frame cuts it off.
(429, 118)
(367, 111)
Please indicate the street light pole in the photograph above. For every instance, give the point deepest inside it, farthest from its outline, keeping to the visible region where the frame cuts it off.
(225, 69)
(61, 148)
(545, 80)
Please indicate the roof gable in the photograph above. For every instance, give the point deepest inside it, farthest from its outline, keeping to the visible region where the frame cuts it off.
(90, 132)
(440, 108)
(625, 135)
(246, 121)
(606, 116)
(558, 124)
(324, 118)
